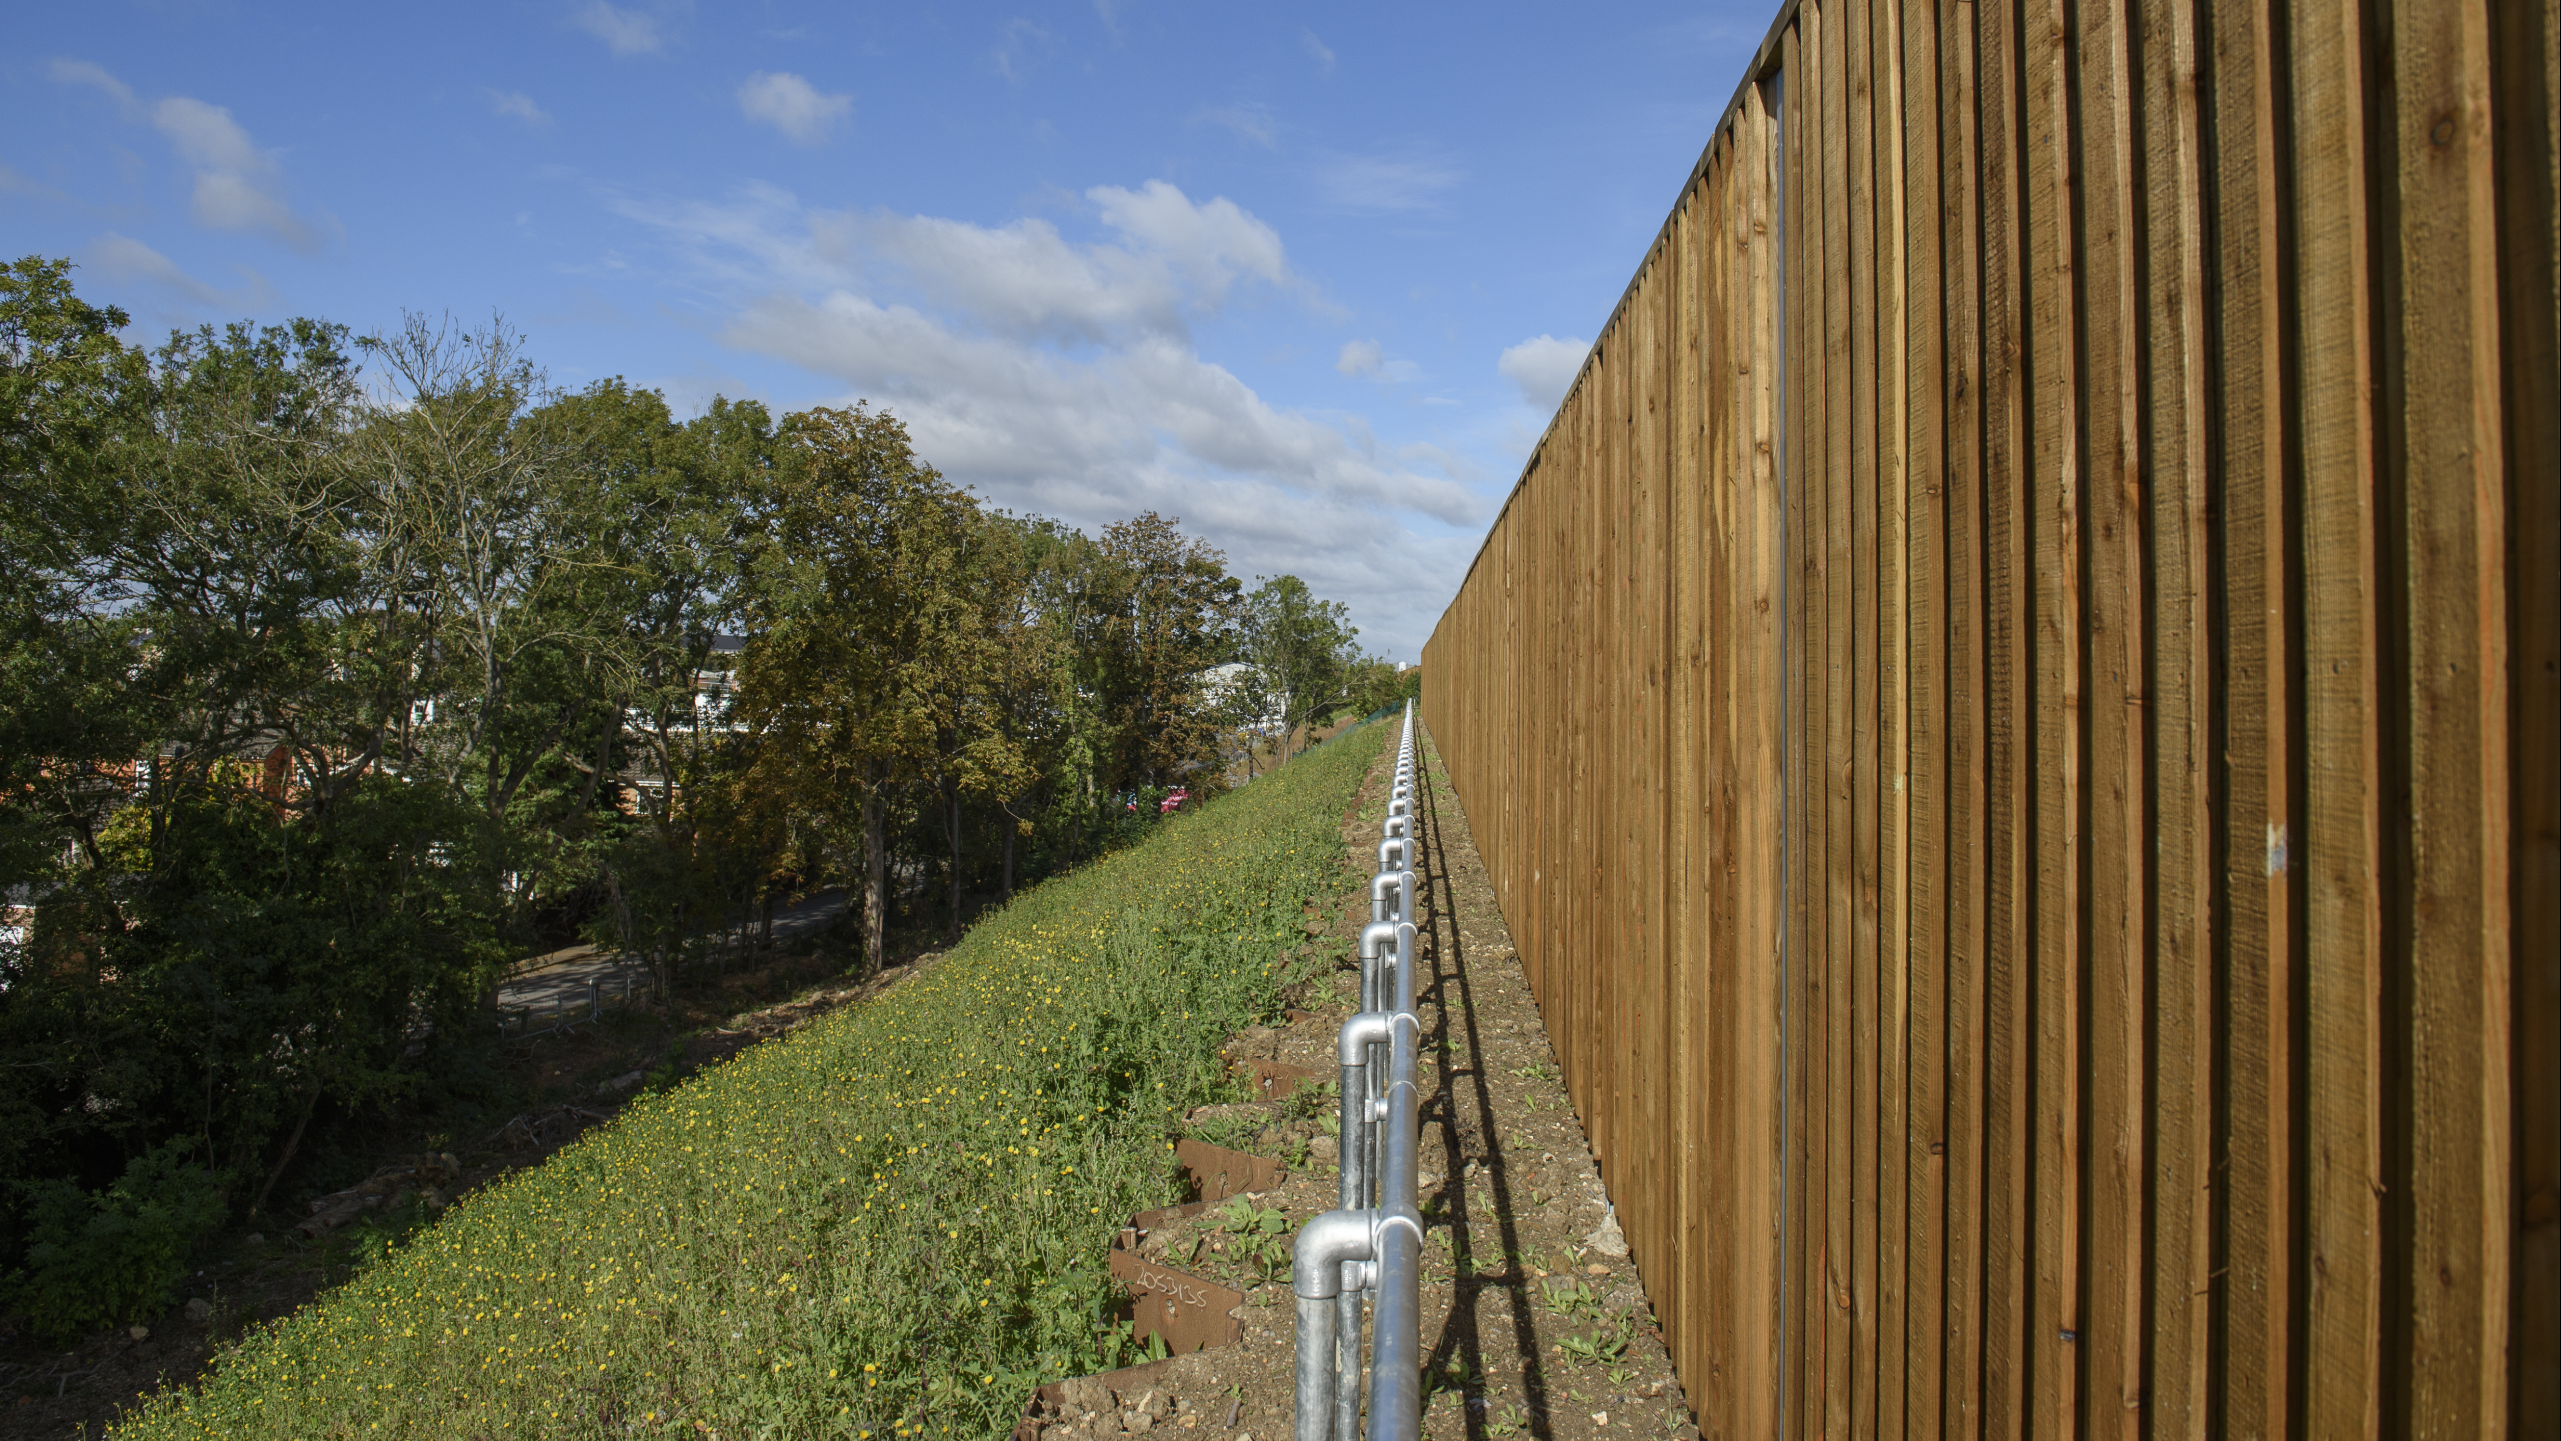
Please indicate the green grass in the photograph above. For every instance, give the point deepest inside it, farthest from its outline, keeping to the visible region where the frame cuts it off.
(893, 1223)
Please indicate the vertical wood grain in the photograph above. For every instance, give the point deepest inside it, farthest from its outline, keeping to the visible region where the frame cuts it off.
(2452, 501)
(2003, 692)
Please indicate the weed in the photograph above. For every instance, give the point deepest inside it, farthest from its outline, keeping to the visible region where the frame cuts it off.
(1317, 1101)
(903, 1209)
(1261, 1235)
(1573, 1300)
(1605, 1345)
(667, 1072)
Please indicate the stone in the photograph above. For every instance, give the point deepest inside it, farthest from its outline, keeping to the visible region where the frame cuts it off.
(1154, 1405)
(1137, 1423)
(1596, 1269)
(254, 1239)
(1607, 1239)
(1600, 1418)
(1625, 1299)
(1085, 1395)
(1324, 1148)
(199, 1310)
(139, 1333)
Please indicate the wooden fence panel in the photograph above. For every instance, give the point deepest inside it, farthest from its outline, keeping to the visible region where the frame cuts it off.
(2013, 713)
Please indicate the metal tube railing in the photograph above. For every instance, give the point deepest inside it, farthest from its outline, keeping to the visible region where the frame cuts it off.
(1370, 1250)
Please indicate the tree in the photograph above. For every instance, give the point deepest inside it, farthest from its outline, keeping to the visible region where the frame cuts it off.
(868, 640)
(1165, 616)
(239, 916)
(666, 507)
(1298, 654)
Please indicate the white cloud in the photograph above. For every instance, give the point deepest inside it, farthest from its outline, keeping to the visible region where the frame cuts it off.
(519, 105)
(82, 72)
(1316, 49)
(1171, 260)
(1250, 122)
(1020, 47)
(119, 257)
(1543, 367)
(1059, 375)
(625, 32)
(792, 105)
(1212, 244)
(1364, 358)
(1380, 184)
(12, 183)
(238, 186)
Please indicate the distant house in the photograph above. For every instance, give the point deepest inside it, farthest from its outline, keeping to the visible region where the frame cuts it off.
(1219, 682)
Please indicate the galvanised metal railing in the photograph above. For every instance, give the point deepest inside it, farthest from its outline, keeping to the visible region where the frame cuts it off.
(1369, 1251)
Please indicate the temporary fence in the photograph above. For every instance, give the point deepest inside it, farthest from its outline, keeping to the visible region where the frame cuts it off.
(570, 1008)
(2012, 715)
(1369, 1251)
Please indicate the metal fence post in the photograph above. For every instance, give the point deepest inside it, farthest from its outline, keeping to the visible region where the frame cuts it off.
(1373, 1245)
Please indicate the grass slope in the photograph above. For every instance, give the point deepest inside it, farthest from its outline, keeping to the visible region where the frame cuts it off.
(892, 1223)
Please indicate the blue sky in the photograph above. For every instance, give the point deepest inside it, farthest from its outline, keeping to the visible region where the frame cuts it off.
(1310, 278)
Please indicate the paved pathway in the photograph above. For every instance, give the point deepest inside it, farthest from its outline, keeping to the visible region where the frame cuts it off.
(559, 981)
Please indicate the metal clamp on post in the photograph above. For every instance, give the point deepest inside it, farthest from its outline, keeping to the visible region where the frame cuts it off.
(1382, 887)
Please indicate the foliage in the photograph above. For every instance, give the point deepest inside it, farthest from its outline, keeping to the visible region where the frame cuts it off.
(1263, 1236)
(1163, 613)
(1376, 685)
(902, 1211)
(339, 671)
(873, 658)
(113, 1256)
(1298, 657)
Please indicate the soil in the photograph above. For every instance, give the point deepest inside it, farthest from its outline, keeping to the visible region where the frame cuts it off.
(267, 1268)
(1535, 1323)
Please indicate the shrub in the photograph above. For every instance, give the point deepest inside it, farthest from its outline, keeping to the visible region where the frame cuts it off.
(105, 1257)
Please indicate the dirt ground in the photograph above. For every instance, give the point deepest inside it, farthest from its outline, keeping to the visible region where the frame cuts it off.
(1535, 1323)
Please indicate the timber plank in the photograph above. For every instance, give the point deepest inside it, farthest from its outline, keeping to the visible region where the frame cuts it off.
(2057, 726)
(1961, 1145)
(2343, 935)
(1809, 1294)
(1920, 1138)
(1688, 1199)
(1893, 767)
(2108, 632)
(1761, 799)
(2528, 89)
(2172, 1324)
(2455, 1199)
(1832, 752)
(2009, 1105)
(2254, 1323)
(1862, 718)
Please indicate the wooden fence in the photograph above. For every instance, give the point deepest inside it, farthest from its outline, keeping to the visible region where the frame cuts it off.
(2015, 714)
